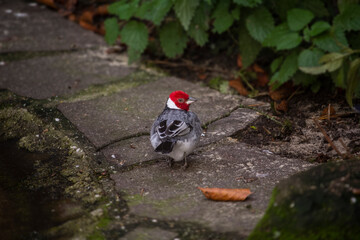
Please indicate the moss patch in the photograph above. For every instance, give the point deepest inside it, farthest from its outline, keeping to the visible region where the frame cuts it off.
(318, 204)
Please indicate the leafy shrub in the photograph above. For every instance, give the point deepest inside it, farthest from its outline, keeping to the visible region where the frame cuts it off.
(309, 37)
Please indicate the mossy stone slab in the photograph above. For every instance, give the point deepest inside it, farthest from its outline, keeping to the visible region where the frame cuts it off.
(27, 26)
(321, 203)
(131, 112)
(158, 191)
(58, 75)
(142, 233)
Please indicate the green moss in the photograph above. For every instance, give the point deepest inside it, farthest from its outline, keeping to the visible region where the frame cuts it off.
(115, 85)
(165, 207)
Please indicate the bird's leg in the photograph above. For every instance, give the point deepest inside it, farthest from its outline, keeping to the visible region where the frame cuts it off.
(185, 166)
(170, 162)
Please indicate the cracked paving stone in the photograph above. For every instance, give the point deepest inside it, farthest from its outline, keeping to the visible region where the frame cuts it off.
(158, 191)
(138, 150)
(131, 112)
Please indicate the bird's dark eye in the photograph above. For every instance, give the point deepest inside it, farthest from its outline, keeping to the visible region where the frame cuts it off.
(181, 100)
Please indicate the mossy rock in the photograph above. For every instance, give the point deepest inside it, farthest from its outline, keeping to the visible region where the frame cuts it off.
(321, 203)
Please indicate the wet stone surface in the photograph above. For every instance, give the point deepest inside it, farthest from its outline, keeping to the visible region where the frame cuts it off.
(149, 234)
(61, 74)
(171, 194)
(132, 112)
(28, 26)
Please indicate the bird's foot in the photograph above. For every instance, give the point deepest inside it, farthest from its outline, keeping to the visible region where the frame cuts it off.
(186, 165)
(170, 162)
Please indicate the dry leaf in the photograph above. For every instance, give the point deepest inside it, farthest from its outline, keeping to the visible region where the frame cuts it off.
(102, 10)
(202, 76)
(226, 194)
(282, 106)
(282, 92)
(257, 68)
(328, 111)
(49, 3)
(262, 79)
(237, 84)
(87, 25)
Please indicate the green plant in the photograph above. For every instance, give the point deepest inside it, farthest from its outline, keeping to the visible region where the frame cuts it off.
(307, 37)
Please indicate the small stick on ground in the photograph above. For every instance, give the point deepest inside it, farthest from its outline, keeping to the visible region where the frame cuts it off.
(328, 138)
(349, 155)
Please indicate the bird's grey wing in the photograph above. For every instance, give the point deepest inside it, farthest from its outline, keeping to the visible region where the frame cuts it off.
(174, 129)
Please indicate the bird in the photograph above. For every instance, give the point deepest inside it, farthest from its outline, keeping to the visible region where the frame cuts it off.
(177, 130)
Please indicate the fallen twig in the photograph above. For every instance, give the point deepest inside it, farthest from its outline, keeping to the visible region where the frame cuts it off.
(328, 138)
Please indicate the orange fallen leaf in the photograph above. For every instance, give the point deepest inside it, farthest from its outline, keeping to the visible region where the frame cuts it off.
(282, 92)
(226, 194)
(282, 106)
(257, 68)
(237, 84)
(49, 3)
(202, 76)
(262, 79)
(102, 10)
(328, 111)
(87, 25)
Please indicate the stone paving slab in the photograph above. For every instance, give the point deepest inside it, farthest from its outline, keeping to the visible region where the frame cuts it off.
(138, 150)
(142, 233)
(157, 191)
(57, 75)
(130, 112)
(32, 27)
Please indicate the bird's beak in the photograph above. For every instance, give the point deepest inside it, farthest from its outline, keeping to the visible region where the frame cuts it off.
(191, 100)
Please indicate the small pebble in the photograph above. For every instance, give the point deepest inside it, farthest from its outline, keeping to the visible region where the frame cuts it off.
(57, 119)
(21, 15)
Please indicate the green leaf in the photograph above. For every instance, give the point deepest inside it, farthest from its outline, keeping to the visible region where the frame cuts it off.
(135, 35)
(342, 4)
(111, 30)
(319, 27)
(349, 19)
(330, 62)
(199, 26)
(332, 41)
(287, 69)
(315, 6)
(298, 18)
(276, 64)
(310, 57)
(260, 24)
(306, 34)
(223, 19)
(124, 10)
(282, 38)
(249, 48)
(352, 80)
(185, 10)
(303, 79)
(154, 10)
(339, 77)
(173, 39)
(315, 87)
(248, 3)
(236, 13)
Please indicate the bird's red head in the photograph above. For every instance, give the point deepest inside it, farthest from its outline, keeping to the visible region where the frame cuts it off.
(181, 100)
